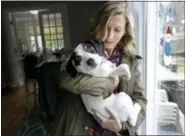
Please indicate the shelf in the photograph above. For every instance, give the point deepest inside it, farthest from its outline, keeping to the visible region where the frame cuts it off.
(181, 118)
(164, 74)
(178, 36)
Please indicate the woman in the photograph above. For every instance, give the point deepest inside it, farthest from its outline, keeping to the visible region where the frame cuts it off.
(112, 25)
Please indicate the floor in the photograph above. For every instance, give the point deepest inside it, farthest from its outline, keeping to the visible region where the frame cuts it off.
(13, 109)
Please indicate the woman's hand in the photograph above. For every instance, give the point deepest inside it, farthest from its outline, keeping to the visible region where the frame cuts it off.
(113, 123)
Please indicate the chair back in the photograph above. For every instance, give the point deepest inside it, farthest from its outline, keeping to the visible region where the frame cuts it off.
(30, 61)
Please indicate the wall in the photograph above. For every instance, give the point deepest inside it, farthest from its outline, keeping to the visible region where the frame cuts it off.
(79, 19)
(5, 74)
(10, 56)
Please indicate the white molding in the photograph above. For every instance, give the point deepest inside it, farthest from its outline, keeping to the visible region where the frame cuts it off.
(152, 42)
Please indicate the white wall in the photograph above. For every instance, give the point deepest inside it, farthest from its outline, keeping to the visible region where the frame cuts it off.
(12, 54)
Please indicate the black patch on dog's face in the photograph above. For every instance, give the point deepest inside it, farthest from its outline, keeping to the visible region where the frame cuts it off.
(89, 48)
(73, 60)
(76, 58)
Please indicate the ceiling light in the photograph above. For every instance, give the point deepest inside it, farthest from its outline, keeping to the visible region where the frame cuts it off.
(34, 12)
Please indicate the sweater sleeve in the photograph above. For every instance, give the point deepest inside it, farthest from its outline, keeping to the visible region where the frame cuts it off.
(86, 84)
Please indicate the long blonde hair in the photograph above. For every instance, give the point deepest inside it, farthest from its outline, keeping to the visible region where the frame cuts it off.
(102, 16)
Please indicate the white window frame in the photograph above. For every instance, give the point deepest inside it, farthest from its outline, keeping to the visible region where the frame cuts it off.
(151, 52)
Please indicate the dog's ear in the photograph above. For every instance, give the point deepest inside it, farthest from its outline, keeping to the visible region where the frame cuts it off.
(71, 70)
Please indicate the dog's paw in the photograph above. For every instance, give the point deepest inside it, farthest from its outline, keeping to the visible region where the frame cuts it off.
(133, 119)
(134, 114)
(126, 71)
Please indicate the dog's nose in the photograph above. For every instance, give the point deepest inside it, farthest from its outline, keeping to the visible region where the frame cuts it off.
(90, 62)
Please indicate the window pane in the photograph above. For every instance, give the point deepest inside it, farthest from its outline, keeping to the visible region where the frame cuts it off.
(61, 44)
(54, 44)
(22, 35)
(31, 33)
(45, 17)
(40, 42)
(60, 29)
(48, 44)
(30, 30)
(47, 37)
(60, 36)
(28, 19)
(46, 31)
(45, 20)
(32, 43)
(26, 28)
(53, 36)
(32, 38)
(52, 23)
(51, 19)
(38, 30)
(51, 16)
(53, 30)
(58, 19)
(45, 23)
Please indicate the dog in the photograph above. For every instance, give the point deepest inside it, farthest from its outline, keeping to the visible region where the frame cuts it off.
(85, 59)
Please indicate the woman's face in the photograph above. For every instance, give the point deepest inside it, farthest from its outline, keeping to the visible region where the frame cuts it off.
(115, 31)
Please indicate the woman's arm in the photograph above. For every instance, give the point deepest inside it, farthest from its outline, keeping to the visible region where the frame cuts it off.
(139, 100)
(87, 84)
(138, 95)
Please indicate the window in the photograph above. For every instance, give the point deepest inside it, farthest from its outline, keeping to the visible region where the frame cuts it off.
(164, 72)
(170, 69)
(52, 27)
(27, 31)
(28, 34)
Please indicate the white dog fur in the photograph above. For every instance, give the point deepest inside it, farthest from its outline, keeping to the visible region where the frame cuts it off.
(119, 103)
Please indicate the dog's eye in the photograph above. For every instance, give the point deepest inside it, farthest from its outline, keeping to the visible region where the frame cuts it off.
(90, 62)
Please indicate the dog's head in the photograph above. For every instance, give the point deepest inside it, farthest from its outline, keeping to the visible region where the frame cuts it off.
(83, 59)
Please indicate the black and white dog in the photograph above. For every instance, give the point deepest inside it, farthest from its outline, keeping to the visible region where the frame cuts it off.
(85, 59)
